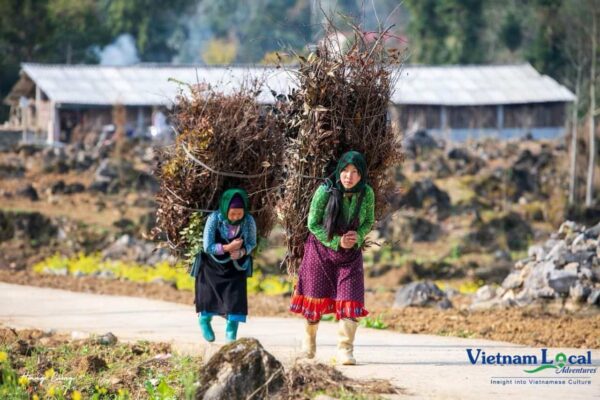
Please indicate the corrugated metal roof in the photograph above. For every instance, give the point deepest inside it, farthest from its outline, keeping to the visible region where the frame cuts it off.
(153, 84)
(477, 85)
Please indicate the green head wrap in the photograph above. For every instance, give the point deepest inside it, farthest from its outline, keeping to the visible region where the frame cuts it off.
(226, 198)
(358, 160)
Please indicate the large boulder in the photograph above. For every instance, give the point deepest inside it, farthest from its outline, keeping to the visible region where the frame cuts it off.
(509, 230)
(463, 162)
(12, 167)
(240, 370)
(421, 294)
(407, 228)
(425, 194)
(29, 192)
(419, 143)
(32, 226)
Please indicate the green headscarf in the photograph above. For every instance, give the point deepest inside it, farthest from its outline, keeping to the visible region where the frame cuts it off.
(334, 217)
(226, 198)
(358, 160)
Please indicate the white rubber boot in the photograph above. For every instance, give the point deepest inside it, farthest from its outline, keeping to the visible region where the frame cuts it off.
(309, 343)
(346, 333)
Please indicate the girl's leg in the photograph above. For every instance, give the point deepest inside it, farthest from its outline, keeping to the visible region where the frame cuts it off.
(205, 326)
(346, 333)
(231, 331)
(309, 343)
(232, 325)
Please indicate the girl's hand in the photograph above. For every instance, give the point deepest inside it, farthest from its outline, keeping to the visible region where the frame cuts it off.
(237, 244)
(237, 254)
(348, 240)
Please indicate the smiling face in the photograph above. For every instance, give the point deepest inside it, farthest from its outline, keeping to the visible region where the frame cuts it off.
(235, 214)
(350, 176)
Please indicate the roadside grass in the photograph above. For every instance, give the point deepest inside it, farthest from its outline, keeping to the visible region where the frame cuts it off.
(85, 369)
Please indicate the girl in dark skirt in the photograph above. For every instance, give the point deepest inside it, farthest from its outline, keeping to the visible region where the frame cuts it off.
(229, 238)
(330, 278)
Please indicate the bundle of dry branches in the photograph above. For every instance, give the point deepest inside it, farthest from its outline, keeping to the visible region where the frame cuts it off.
(223, 141)
(341, 104)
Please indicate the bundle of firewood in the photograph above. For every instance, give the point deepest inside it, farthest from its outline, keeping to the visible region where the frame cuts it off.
(223, 141)
(340, 104)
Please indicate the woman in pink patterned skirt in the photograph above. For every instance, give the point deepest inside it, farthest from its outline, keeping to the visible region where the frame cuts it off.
(330, 278)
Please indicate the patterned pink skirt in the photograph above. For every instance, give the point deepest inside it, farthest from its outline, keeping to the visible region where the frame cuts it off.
(329, 281)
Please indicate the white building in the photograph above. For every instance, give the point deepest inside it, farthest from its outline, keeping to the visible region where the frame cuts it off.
(456, 102)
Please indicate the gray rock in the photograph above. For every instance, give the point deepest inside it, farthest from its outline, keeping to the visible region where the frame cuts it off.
(545, 293)
(239, 370)
(485, 305)
(566, 264)
(537, 252)
(579, 240)
(73, 188)
(586, 273)
(485, 293)
(561, 281)
(538, 275)
(593, 232)
(513, 280)
(105, 172)
(557, 251)
(418, 294)
(12, 168)
(422, 230)
(444, 304)
(579, 292)
(594, 297)
(424, 193)
(567, 226)
(107, 339)
(524, 297)
(418, 143)
(29, 192)
(57, 187)
(98, 186)
(571, 267)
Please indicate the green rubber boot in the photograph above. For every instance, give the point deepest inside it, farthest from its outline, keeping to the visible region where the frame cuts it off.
(231, 331)
(207, 330)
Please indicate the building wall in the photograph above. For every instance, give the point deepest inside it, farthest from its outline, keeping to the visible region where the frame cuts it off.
(76, 121)
(543, 120)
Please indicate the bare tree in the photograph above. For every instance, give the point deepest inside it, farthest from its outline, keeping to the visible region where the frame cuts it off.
(574, 137)
(589, 195)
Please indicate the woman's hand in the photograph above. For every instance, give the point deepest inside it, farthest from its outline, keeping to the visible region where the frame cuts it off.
(237, 254)
(235, 245)
(348, 240)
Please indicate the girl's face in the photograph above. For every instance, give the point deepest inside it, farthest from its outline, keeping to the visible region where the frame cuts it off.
(350, 176)
(235, 214)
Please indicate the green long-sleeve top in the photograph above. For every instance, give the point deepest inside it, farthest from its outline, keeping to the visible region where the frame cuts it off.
(317, 211)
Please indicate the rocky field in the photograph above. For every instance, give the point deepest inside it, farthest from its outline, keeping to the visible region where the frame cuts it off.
(478, 235)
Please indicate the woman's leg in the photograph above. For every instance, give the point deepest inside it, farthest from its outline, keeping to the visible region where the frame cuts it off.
(346, 334)
(205, 326)
(309, 343)
(232, 325)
